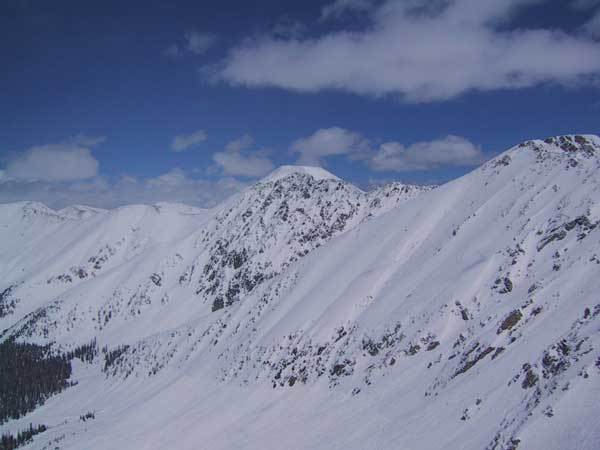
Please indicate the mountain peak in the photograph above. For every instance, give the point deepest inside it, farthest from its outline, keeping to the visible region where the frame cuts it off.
(317, 173)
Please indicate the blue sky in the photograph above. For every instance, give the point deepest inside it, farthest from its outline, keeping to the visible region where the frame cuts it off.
(120, 102)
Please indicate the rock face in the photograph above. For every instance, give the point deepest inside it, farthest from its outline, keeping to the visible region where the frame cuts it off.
(281, 219)
(305, 313)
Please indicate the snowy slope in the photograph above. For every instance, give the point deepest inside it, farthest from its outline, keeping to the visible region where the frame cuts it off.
(137, 260)
(460, 317)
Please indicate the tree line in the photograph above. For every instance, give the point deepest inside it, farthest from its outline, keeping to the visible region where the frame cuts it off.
(30, 374)
(10, 442)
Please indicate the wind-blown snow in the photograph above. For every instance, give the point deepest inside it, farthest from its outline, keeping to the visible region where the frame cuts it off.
(305, 313)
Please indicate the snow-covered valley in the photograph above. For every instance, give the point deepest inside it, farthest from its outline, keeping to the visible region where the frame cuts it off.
(306, 313)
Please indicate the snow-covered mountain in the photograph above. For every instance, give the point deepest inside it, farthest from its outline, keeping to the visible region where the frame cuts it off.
(138, 260)
(306, 313)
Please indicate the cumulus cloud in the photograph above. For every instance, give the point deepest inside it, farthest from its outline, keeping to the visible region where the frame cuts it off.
(199, 43)
(237, 145)
(449, 151)
(173, 51)
(237, 160)
(330, 142)
(67, 173)
(339, 7)
(181, 143)
(592, 26)
(177, 186)
(287, 28)
(194, 42)
(173, 186)
(390, 156)
(420, 51)
(67, 161)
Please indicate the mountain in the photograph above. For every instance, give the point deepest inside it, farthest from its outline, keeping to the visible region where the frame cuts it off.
(306, 313)
(138, 259)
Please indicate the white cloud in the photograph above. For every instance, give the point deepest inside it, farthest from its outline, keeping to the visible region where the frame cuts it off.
(184, 142)
(85, 141)
(390, 156)
(421, 51)
(175, 177)
(176, 186)
(67, 161)
(64, 174)
(592, 27)
(194, 42)
(236, 160)
(237, 145)
(237, 164)
(173, 186)
(173, 51)
(338, 7)
(449, 151)
(287, 28)
(199, 43)
(330, 142)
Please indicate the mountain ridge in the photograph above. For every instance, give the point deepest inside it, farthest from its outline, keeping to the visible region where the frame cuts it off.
(470, 306)
(284, 171)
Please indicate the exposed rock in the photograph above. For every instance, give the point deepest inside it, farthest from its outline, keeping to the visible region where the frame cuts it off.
(510, 321)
